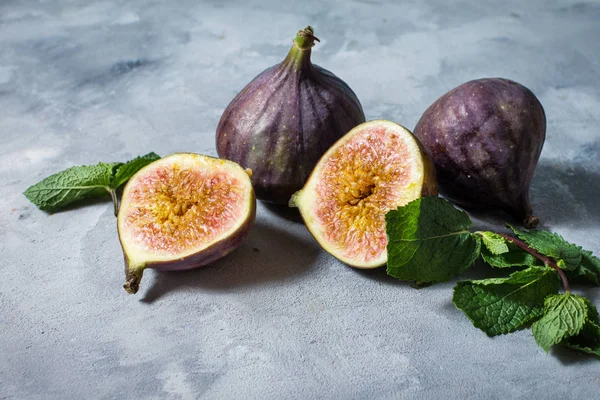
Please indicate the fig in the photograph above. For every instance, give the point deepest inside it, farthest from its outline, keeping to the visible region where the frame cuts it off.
(376, 167)
(485, 138)
(181, 212)
(283, 121)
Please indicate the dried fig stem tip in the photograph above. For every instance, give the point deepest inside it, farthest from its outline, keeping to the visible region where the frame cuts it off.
(305, 39)
(133, 276)
(531, 221)
(293, 200)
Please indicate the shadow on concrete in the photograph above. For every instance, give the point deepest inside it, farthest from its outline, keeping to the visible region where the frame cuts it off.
(560, 193)
(98, 196)
(268, 254)
(380, 275)
(566, 194)
(87, 202)
(288, 213)
(571, 357)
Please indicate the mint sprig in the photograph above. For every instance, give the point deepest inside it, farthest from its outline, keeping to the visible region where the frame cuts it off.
(429, 240)
(64, 188)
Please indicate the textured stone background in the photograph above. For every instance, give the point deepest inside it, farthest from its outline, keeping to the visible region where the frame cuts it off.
(83, 81)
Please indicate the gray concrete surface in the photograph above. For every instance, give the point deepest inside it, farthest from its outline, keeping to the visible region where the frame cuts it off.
(87, 81)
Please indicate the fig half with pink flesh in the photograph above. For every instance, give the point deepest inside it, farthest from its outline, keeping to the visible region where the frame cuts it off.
(183, 211)
(376, 167)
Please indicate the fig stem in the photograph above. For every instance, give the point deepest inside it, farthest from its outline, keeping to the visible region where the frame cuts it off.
(299, 56)
(305, 39)
(115, 200)
(531, 221)
(133, 276)
(546, 260)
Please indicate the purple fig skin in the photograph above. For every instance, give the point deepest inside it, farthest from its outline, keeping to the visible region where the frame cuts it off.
(485, 138)
(212, 253)
(281, 123)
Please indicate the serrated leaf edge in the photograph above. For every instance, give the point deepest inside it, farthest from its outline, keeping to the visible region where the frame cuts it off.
(577, 332)
(475, 324)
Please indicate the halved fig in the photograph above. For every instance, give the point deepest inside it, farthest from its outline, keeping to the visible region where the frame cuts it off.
(376, 167)
(183, 211)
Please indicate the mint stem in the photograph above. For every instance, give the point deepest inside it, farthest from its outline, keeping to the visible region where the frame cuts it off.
(546, 260)
(113, 196)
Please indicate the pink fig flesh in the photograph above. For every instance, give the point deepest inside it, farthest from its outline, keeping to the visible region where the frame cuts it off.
(183, 211)
(376, 167)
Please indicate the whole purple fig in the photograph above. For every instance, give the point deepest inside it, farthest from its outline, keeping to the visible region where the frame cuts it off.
(485, 138)
(281, 123)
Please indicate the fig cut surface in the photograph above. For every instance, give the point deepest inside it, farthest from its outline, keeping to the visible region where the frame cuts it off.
(376, 167)
(183, 211)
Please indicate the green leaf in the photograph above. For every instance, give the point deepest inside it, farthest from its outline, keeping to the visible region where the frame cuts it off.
(502, 305)
(429, 241)
(589, 269)
(64, 188)
(587, 341)
(564, 316)
(579, 263)
(515, 257)
(566, 255)
(127, 170)
(83, 182)
(494, 243)
(592, 312)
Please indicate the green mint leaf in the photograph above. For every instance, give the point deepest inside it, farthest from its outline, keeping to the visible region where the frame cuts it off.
(579, 263)
(564, 316)
(83, 182)
(515, 257)
(502, 305)
(493, 242)
(64, 188)
(429, 241)
(566, 255)
(589, 269)
(127, 170)
(592, 314)
(587, 341)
